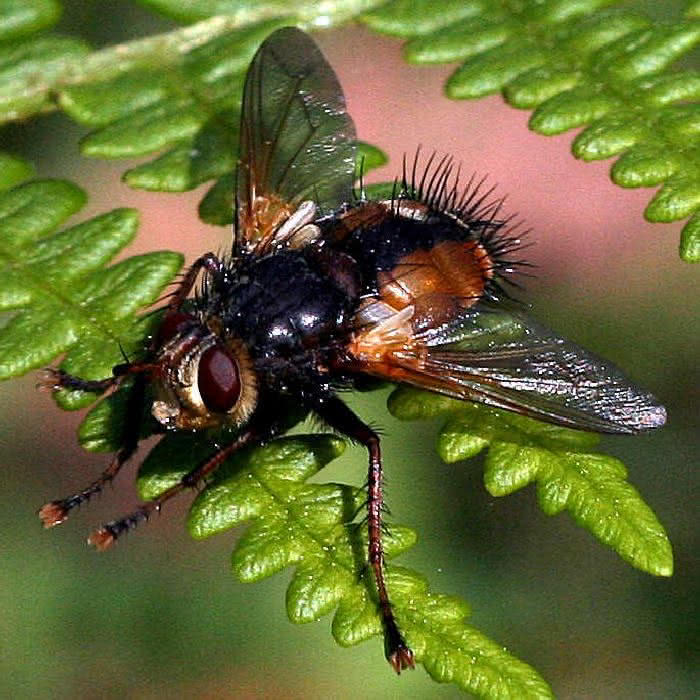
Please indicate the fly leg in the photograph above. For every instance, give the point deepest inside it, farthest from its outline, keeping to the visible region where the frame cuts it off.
(338, 416)
(56, 379)
(51, 379)
(106, 535)
(56, 512)
(209, 262)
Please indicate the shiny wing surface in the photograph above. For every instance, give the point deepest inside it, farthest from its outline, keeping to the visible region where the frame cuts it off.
(504, 359)
(297, 141)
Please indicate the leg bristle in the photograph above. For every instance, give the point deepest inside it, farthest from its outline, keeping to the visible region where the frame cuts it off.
(53, 379)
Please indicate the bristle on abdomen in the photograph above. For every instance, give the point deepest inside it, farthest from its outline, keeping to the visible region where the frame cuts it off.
(434, 189)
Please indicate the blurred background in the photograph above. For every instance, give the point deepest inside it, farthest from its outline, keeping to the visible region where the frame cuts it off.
(161, 615)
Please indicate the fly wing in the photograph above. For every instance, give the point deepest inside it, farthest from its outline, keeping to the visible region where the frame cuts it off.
(297, 141)
(504, 359)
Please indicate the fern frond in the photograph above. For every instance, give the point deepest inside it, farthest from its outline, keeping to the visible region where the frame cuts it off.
(311, 527)
(574, 63)
(63, 298)
(582, 64)
(22, 18)
(13, 170)
(592, 487)
(176, 96)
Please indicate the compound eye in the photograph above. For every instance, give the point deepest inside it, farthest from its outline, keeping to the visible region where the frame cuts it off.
(219, 380)
(173, 322)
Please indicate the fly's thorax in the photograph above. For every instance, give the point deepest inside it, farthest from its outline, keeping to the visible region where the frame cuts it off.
(282, 304)
(203, 380)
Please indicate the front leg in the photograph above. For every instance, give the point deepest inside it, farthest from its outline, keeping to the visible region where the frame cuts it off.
(55, 512)
(56, 379)
(338, 416)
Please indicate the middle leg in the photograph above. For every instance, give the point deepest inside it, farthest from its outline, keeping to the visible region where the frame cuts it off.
(105, 536)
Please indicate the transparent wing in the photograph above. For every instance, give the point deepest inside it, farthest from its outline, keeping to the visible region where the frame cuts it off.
(507, 360)
(297, 141)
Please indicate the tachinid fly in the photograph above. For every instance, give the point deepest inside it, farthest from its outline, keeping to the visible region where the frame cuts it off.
(323, 288)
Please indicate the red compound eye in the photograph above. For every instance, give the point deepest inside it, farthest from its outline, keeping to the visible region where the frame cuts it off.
(219, 380)
(173, 322)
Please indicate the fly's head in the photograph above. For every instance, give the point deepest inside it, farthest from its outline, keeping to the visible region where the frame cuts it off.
(203, 379)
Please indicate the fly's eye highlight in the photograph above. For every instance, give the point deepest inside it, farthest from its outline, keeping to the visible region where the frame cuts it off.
(219, 380)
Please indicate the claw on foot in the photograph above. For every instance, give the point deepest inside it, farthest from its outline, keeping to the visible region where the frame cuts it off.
(53, 513)
(401, 658)
(101, 539)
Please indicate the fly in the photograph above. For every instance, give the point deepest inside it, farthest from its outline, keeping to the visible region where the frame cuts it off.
(323, 289)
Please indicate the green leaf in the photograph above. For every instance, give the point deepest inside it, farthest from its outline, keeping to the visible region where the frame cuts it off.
(609, 71)
(592, 487)
(579, 63)
(460, 40)
(102, 428)
(18, 18)
(211, 153)
(678, 198)
(249, 11)
(533, 87)
(570, 109)
(412, 17)
(576, 62)
(644, 166)
(380, 190)
(146, 130)
(492, 69)
(28, 70)
(217, 205)
(669, 88)
(368, 158)
(211, 68)
(609, 136)
(310, 527)
(652, 51)
(690, 240)
(100, 103)
(13, 170)
(64, 299)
